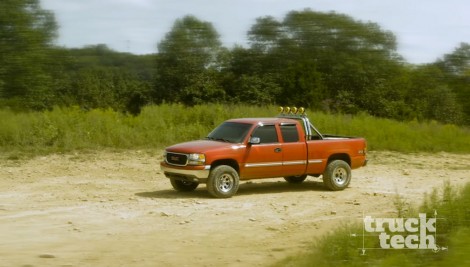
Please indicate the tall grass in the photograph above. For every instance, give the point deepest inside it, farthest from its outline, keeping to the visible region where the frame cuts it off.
(66, 129)
(452, 226)
(386, 134)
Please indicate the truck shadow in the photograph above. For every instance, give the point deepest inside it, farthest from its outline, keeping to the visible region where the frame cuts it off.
(173, 194)
(279, 187)
(246, 188)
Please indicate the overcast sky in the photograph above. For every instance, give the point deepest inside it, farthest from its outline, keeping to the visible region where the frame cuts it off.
(425, 29)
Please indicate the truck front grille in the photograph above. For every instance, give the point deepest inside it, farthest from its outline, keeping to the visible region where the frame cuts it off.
(176, 159)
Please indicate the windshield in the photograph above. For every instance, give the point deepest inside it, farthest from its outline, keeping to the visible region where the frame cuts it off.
(231, 132)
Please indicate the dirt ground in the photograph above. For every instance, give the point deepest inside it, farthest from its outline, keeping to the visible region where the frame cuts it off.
(116, 209)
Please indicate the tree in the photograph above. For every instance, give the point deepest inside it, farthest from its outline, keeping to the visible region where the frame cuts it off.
(430, 97)
(255, 90)
(266, 34)
(458, 62)
(26, 34)
(187, 60)
(302, 85)
(324, 57)
(456, 67)
(98, 77)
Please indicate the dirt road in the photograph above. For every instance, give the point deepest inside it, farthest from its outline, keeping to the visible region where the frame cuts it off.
(117, 209)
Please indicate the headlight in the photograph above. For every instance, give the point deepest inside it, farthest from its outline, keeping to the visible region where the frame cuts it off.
(196, 159)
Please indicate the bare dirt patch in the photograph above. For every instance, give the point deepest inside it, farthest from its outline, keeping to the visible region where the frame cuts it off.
(117, 209)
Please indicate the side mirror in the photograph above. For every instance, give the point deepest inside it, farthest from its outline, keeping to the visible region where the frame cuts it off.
(254, 140)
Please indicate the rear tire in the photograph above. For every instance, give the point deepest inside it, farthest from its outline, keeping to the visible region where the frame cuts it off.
(296, 179)
(223, 182)
(183, 186)
(337, 175)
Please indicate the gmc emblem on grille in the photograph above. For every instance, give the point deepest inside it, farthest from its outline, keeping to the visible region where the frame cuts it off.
(174, 158)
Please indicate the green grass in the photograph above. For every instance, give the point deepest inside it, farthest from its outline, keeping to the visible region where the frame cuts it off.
(68, 129)
(386, 134)
(453, 228)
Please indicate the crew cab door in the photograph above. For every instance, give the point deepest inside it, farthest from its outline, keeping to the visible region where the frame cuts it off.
(263, 159)
(294, 150)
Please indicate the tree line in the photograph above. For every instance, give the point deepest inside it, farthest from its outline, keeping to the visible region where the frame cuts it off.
(323, 61)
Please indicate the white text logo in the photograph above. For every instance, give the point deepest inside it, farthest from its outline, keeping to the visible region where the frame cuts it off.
(404, 233)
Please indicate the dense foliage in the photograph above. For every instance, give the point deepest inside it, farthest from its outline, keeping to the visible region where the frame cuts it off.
(324, 61)
(72, 128)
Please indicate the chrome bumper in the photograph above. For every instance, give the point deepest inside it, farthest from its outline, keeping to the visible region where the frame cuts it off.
(189, 175)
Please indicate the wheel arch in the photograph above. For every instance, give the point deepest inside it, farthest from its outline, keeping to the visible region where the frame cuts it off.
(229, 162)
(340, 156)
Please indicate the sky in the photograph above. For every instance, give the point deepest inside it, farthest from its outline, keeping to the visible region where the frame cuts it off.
(425, 29)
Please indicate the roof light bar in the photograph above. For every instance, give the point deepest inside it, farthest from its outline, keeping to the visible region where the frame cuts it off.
(292, 111)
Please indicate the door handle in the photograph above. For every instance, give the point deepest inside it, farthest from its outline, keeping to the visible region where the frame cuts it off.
(277, 149)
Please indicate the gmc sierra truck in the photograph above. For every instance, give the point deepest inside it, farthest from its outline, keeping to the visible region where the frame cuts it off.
(287, 146)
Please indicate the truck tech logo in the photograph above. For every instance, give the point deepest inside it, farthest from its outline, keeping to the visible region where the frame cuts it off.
(402, 233)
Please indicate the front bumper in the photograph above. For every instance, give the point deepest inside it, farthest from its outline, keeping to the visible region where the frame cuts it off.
(186, 173)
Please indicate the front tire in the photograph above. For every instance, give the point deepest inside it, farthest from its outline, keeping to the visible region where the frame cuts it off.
(183, 186)
(223, 182)
(337, 175)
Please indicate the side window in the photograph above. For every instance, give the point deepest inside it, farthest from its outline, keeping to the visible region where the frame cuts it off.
(289, 133)
(266, 133)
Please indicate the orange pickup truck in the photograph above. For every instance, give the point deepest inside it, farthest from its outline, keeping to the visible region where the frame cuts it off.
(286, 146)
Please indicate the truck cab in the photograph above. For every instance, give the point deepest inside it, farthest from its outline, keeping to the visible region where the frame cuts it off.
(287, 146)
